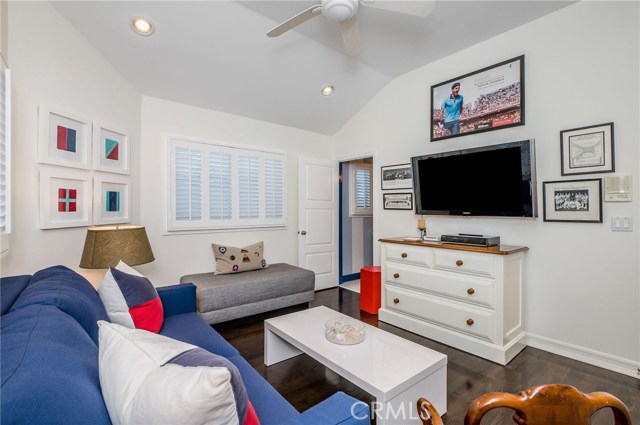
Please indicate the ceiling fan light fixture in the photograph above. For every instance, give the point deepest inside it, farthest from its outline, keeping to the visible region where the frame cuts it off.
(142, 26)
(339, 10)
(327, 90)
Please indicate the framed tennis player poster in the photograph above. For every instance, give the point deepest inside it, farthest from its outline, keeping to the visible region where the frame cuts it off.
(488, 99)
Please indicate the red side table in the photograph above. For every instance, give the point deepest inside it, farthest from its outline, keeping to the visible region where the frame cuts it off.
(370, 289)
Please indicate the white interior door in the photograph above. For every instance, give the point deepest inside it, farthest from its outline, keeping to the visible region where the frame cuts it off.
(318, 220)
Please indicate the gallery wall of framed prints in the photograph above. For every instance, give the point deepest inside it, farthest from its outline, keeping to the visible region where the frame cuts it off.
(84, 171)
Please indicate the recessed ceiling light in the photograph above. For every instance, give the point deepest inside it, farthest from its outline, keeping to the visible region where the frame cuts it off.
(142, 26)
(327, 90)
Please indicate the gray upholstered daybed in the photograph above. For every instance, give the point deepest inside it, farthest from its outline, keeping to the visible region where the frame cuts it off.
(231, 296)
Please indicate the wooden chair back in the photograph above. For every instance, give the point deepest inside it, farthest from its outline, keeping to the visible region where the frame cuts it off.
(428, 413)
(553, 404)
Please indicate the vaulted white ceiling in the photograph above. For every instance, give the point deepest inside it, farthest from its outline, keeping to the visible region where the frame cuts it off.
(216, 55)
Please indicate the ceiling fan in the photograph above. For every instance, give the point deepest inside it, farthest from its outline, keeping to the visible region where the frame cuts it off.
(344, 12)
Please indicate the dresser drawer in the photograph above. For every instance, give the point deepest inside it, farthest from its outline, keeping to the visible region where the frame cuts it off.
(464, 288)
(467, 319)
(409, 254)
(465, 262)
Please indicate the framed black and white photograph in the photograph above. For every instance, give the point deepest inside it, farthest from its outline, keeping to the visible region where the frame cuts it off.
(396, 177)
(573, 200)
(587, 150)
(397, 201)
(488, 99)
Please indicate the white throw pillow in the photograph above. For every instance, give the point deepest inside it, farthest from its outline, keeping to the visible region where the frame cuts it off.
(140, 386)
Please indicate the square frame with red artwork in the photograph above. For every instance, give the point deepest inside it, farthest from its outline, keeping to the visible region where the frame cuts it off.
(63, 138)
(110, 149)
(65, 198)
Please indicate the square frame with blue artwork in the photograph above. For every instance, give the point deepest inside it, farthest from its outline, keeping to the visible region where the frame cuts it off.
(111, 199)
(64, 138)
(110, 149)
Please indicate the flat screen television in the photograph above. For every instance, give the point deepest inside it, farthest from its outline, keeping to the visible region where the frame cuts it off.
(497, 180)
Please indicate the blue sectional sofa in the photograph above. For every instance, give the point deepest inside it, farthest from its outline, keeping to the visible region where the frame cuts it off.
(49, 355)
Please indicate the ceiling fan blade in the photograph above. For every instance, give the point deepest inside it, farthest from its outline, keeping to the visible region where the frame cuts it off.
(351, 36)
(295, 21)
(410, 7)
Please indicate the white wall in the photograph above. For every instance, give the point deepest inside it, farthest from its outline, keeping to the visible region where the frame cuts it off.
(178, 255)
(582, 280)
(52, 63)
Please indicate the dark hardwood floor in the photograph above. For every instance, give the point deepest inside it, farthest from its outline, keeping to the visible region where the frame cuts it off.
(305, 382)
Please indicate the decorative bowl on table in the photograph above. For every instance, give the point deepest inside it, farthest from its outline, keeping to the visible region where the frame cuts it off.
(344, 331)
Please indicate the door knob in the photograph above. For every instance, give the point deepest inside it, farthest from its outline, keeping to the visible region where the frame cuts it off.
(303, 232)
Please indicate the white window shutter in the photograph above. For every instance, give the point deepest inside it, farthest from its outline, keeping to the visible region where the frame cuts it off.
(216, 186)
(248, 187)
(5, 158)
(188, 183)
(274, 188)
(360, 176)
(220, 186)
(363, 188)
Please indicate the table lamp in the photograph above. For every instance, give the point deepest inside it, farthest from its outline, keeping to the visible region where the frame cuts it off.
(105, 246)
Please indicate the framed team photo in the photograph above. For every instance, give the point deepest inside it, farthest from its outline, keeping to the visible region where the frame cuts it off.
(573, 200)
(396, 177)
(487, 99)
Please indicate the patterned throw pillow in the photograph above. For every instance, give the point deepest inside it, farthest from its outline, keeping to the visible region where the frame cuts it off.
(148, 378)
(130, 299)
(230, 259)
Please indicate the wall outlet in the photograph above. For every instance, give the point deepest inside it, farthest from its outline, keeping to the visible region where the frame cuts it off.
(621, 223)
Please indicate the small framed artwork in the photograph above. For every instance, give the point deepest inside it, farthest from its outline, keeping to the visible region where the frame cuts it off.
(63, 138)
(65, 198)
(111, 199)
(397, 177)
(573, 200)
(110, 149)
(397, 201)
(587, 150)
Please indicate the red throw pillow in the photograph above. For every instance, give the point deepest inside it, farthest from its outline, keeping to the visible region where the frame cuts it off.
(131, 301)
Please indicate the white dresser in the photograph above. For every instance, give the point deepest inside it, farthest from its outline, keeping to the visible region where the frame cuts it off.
(468, 297)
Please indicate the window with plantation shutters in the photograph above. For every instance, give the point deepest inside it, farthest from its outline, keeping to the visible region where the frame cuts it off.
(5, 159)
(360, 190)
(217, 186)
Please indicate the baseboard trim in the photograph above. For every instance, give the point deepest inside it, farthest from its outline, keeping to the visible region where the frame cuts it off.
(592, 357)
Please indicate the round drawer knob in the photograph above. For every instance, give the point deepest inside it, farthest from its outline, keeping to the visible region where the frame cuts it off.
(396, 275)
(396, 301)
(471, 291)
(403, 255)
(469, 322)
(459, 263)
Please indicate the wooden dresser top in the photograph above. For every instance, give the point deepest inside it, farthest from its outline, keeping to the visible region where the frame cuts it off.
(496, 249)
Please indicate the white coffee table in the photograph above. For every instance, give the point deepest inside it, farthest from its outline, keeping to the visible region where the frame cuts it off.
(394, 370)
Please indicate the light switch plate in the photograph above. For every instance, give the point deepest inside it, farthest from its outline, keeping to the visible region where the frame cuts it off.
(622, 223)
